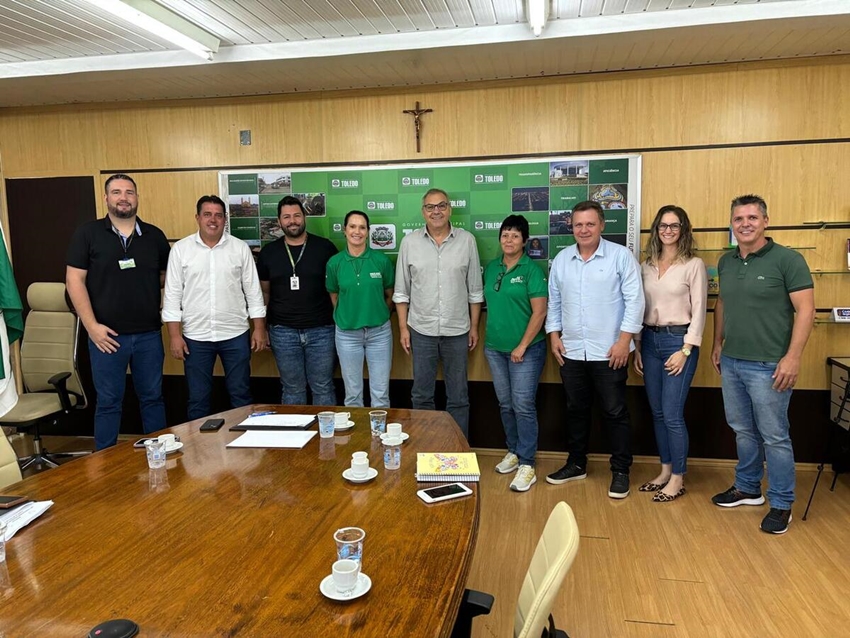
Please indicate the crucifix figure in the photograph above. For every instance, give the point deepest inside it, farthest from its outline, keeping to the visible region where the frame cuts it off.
(417, 114)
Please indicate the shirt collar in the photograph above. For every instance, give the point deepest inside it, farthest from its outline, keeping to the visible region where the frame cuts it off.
(351, 257)
(111, 227)
(600, 250)
(523, 259)
(761, 252)
(221, 241)
(428, 235)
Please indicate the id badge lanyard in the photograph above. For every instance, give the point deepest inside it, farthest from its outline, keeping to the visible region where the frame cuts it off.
(294, 281)
(127, 262)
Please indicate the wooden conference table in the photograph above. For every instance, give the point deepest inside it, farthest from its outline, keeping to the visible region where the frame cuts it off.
(234, 542)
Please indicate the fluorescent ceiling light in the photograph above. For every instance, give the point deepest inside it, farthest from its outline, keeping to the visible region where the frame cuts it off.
(538, 13)
(163, 23)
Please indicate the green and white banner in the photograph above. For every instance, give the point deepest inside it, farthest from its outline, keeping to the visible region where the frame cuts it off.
(482, 194)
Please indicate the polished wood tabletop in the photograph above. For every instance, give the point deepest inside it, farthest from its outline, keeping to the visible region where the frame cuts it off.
(234, 542)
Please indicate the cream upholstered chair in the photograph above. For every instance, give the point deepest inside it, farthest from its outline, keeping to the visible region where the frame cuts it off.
(10, 472)
(550, 563)
(49, 368)
(556, 550)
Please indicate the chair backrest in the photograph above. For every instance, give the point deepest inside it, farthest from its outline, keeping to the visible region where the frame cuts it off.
(49, 344)
(552, 559)
(10, 472)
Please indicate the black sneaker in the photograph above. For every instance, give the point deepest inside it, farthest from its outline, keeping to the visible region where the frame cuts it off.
(570, 472)
(776, 521)
(619, 485)
(734, 497)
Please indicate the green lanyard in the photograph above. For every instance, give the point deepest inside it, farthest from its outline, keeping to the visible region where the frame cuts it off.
(292, 261)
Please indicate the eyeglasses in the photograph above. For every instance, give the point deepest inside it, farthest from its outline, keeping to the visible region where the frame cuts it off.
(430, 208)
(498, 284)
(674, 227)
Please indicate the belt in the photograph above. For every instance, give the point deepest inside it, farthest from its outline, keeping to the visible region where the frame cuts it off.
(673, 330)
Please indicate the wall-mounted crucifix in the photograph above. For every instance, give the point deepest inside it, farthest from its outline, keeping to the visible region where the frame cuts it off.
(417, 114)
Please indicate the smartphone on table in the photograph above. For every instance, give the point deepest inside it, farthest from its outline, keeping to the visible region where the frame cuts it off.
(444, 492)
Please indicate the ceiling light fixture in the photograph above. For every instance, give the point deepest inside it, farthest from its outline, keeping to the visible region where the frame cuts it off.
(538, 13)
(163, 23)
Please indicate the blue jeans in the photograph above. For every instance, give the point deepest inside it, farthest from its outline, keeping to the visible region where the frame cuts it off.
(144, 353)
(516, 389)
(759, 416)
(376, 344)
(304, 356)
(198, 366)
(667, 395)
(427, 353)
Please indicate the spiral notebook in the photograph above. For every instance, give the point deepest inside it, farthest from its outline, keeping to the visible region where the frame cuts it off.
(447, 466)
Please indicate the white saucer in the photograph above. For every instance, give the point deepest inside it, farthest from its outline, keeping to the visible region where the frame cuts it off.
(328, 589)
(174, 448)
(341, 428)
(372, 473)
(404, 436)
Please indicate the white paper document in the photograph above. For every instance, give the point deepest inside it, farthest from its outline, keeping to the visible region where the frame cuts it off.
(273, 439)
(21, 516)
(278, 420)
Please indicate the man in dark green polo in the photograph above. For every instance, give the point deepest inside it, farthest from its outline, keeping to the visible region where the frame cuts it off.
(762, 321)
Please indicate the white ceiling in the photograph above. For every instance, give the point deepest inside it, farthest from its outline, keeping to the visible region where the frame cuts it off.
(68, 51)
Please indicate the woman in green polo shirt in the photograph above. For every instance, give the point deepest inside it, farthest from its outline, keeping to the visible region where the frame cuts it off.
(360, 282)
(516, 291)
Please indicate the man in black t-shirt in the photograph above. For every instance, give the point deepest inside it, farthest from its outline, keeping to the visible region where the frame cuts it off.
(300, 313)
(115, 269)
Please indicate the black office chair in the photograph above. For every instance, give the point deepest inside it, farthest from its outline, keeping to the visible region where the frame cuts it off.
(49, 370)
(555, 552)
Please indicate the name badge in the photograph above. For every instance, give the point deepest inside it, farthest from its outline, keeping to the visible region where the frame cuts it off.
(294, 283)
(124, 264)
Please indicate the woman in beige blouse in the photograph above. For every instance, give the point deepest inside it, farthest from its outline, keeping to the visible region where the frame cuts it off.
(676, 285)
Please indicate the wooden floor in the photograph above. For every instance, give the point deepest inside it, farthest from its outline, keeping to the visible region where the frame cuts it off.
(654, 570)
(670, 570)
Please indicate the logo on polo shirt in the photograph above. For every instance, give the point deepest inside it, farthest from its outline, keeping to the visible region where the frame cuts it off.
(517, 280)
(375, 275)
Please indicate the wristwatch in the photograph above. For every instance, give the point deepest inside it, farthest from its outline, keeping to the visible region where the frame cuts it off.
(686, 351)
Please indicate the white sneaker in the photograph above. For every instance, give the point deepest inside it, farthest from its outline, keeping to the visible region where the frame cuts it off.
(508, 464)
(524, 479)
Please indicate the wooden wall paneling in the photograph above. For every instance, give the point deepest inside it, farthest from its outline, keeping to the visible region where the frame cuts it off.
(726, 104)
(168, 199)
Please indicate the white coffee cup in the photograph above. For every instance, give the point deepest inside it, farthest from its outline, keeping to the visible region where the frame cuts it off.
(360, 455)
(393, 429)
(341, 418)
(359, 467)
(345, 574)
(169, 439)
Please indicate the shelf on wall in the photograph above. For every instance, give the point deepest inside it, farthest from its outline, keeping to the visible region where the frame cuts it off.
(830, 272)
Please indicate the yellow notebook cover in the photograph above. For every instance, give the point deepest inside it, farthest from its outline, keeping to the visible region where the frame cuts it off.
(441, 466)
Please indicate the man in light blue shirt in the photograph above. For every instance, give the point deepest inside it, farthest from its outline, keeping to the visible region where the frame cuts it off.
(596, 306)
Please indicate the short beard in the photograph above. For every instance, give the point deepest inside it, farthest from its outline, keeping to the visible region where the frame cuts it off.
(122, 214)
(292, 234)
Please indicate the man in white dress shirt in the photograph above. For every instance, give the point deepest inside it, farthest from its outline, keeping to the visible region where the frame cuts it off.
(211, 290)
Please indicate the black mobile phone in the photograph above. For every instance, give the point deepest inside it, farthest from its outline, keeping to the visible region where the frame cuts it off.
(212, 425)
(141, 442)
(7, 502)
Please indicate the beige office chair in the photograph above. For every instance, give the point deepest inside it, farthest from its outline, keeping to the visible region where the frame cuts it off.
(10, 472)
(550, 563)
(49, 368)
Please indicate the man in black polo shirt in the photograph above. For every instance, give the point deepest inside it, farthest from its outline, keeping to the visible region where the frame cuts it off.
(300, 313)
(115, 269)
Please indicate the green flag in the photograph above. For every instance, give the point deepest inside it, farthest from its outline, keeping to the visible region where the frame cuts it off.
(10, 302)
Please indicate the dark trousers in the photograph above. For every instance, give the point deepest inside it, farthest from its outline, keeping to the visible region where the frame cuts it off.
(582, 381)
(235, 357)
(427, 354)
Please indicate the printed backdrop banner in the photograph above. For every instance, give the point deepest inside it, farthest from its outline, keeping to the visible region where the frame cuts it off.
(482, 194)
